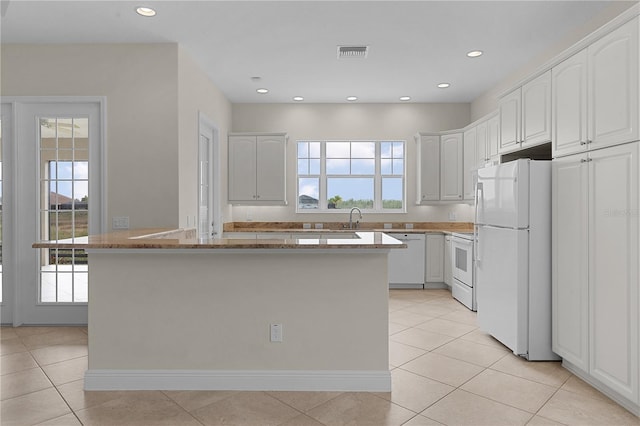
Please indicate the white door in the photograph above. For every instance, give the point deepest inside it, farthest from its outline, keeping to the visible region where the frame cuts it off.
(209, 222)
(503, 195)
(569, 105)
(613, 87)
(570, 285)
(58, 197)
(6, 231)
(502, 285)
(613, 267)
(451, 167)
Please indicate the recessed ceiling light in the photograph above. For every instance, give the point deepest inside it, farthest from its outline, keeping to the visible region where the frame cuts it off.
(262, 91)
(298, 98)
(474, 53)
(352, 98)
(405, 98)
(443, 85)
(145, 11)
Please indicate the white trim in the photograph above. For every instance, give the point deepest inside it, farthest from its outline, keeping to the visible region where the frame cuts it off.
(245, 380)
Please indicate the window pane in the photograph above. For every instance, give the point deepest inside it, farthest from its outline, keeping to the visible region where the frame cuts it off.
(314, 166)
(363, 167)
(398, 167)
(398, 150)
(308, 193)
(385, 166)
(392, 193)
(303, 149)
(303, 166)
(363, 150)
(385, 149)
(338, 167)
(353, 192)
(338, 150)
(64, 169)
(80, 170)
(314, 149)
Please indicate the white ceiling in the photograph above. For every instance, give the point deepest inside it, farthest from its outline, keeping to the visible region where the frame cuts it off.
(291, 45)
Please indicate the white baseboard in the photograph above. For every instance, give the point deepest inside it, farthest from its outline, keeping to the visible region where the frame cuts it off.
(254, 380)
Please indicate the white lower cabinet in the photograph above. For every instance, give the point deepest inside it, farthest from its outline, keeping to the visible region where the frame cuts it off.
(596, 262)
(434, 267)
(406, 266)
(448, 270)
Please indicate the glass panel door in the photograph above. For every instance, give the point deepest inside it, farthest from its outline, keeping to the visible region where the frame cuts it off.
(58, 198)
(64, 208)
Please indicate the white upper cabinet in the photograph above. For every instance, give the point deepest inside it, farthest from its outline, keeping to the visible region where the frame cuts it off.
(569, 105)
(470, 162)
(595, 94)
(482, 153)
(257, 169)
(525, 115)
(510, 121)
(493, 136)
(428, 167)
(451, 167)
(613, 87)
(536, 110)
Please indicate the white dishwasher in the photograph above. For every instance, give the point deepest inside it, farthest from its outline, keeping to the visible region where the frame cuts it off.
(406, 266)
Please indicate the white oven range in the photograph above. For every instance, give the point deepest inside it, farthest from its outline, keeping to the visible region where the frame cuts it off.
(462, 287)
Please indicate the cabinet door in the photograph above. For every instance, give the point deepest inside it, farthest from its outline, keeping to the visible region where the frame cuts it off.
(434, 270)
(536, 110)
(448, 270)
(569, 105)
(451, 167)
(510, 116)
(482, 155)
(569, 242)
(242, 168)
(429, 166)
(271, 170)
(469, 162)
(493, 136)
(613, 87)
(613, 268)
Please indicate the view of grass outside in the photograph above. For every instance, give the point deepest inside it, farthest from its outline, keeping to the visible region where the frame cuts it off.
(61, 227)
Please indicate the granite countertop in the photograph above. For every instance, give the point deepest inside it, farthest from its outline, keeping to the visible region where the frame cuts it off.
(158, 238)
(330, 227)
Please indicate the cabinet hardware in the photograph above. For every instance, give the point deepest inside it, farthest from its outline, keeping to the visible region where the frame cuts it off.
(583, 142)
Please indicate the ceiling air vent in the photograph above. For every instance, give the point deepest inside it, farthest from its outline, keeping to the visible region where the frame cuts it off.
(353, 52)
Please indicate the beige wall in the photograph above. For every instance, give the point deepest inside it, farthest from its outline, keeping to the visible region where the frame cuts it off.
(488, 101)
(197, 94)
(140, 84)
(350, 121)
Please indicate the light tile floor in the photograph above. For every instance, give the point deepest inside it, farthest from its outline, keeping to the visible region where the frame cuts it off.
(444, 370)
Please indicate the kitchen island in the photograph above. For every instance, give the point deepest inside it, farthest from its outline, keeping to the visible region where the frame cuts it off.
(170, 311)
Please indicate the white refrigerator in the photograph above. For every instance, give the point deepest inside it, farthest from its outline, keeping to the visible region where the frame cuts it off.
(513, 256)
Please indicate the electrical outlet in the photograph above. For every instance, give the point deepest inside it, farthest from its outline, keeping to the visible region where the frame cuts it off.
(408, 225)
(120, 222)
(319, 226)
(276, 332)
(306, 226)
(452, 216)
(388, 226)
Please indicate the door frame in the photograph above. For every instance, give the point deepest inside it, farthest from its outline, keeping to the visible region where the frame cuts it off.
(207, 127)
(18, 104)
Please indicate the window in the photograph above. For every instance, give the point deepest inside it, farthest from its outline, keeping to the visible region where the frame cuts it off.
(345, 174)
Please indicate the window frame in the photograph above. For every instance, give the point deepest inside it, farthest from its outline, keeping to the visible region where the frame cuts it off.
(377, 178)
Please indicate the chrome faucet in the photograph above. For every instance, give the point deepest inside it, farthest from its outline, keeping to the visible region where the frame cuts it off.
(351, 218)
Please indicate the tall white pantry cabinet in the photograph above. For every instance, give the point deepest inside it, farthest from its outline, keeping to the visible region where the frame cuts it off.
(596, 214)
